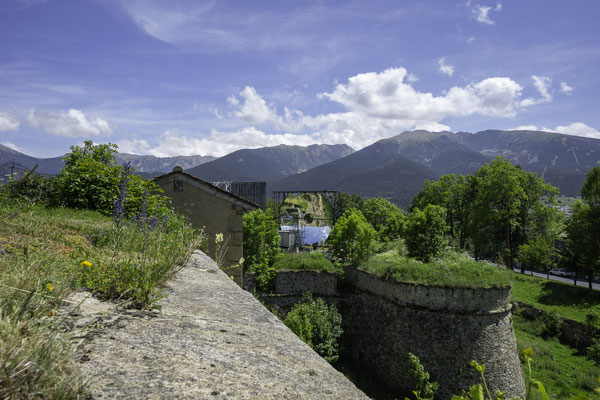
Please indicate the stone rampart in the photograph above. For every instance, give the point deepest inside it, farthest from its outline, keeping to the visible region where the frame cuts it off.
(446, 327)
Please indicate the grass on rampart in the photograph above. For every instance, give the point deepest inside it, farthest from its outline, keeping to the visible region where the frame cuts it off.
(45, 254)
(314, 261)
(450, 270)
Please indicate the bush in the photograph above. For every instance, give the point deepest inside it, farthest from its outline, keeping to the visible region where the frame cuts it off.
(552, 325)
(385, 217)
(351, 239)
(423, 389)
(261, 246)
(425, 232)
(317, 324)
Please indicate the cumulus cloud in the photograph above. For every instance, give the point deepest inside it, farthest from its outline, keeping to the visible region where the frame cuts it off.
(445, 69)
(411, 78)
(8, 122)
(566, 89)
(219, 143)
(72, 123)
(525, 128)
(575, 129)
(578, 129)
(542, 84)
(253, 108)
(133, 146)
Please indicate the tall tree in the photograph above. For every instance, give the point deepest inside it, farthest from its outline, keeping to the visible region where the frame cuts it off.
(385, 217)
(583, 228)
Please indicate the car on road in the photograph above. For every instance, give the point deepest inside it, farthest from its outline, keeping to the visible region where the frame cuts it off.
(560, 272)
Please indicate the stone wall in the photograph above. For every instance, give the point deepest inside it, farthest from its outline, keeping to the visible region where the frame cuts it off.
(446, 327)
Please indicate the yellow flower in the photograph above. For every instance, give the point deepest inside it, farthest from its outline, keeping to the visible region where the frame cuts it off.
(49, 286)
(51, 314)
(86, 264)
(528, 351)
(218, 238)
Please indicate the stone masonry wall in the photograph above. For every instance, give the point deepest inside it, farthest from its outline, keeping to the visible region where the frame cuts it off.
(446, 327)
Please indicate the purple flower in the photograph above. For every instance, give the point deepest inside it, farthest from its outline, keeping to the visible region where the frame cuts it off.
(119, 203)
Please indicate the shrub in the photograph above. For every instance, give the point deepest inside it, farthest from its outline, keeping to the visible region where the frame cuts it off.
(261, 245)
(593, 351)
(351, 239)
(552, 325)
(317, 324)
(425, 232)
(423, 389)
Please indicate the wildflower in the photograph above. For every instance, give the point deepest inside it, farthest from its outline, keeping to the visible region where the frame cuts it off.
(49, 286)
(165, 218)
(86, 264)
(528, 351)
(141, 217)
(119, 203)
(218, 238)
(51, 314)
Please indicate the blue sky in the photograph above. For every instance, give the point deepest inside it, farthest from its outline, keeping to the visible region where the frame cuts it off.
(210, 77)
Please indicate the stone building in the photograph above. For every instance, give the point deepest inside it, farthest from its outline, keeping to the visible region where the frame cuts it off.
(211, 208)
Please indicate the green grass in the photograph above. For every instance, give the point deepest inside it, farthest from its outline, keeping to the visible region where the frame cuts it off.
(563, 371)
(41, 255)
(566, 200)
(567, 300)
(315, 261)
(450, 270)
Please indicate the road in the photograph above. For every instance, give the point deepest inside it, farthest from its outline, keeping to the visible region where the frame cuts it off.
(580, 281)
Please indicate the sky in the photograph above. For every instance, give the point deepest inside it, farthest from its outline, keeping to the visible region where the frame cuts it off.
(185, 77)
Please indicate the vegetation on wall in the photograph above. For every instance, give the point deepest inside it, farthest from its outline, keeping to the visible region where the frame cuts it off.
(261, 246)
(317, 324)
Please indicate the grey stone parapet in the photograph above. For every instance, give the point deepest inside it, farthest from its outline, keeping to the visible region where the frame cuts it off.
(211, 340)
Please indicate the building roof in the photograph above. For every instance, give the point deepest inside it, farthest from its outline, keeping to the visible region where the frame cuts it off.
(210, 188)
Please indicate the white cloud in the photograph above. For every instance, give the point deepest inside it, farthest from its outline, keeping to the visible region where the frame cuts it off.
(72, 123)
(220, 143)
(445, 69)
(542, 84)
(470, 39)
(411, 78)
(525, 128)
(498, 7)
(13, 146)
(433, 127)
(575, 129)
(578, 129)
(8, 122)
(254, 108)
(566, 89)
(482, 15)
(133, 146)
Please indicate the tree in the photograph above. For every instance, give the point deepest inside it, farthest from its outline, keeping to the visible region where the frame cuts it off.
(590, 191)
(351, 239)
(504, 199)
(318, 325)
(583, 239)
(350, 201)
(385, 217)
(538, 253)
(261, 245)
(425, 232)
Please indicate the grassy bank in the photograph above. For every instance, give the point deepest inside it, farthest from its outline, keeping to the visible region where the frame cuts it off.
(567, 300)
(451, 269)
(315, 261)
(46, 254)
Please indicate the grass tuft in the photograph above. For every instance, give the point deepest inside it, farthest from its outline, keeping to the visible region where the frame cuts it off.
(315, 261)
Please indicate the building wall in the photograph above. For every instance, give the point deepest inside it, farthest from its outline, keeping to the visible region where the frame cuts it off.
(214, 214)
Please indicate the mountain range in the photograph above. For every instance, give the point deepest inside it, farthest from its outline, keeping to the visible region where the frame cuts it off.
(394, 168)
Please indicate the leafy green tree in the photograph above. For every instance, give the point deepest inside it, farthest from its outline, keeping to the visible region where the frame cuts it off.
(261, 245)
(425, 232)
(90, 179)
(385, 217)
(538, 253)
(583, 239)
(317, 324)
(504, 199)
(590, 191)
(351, 239)
(454, 193)
(351, 201)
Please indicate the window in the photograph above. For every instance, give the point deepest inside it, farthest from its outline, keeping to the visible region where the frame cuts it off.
(178, 186)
